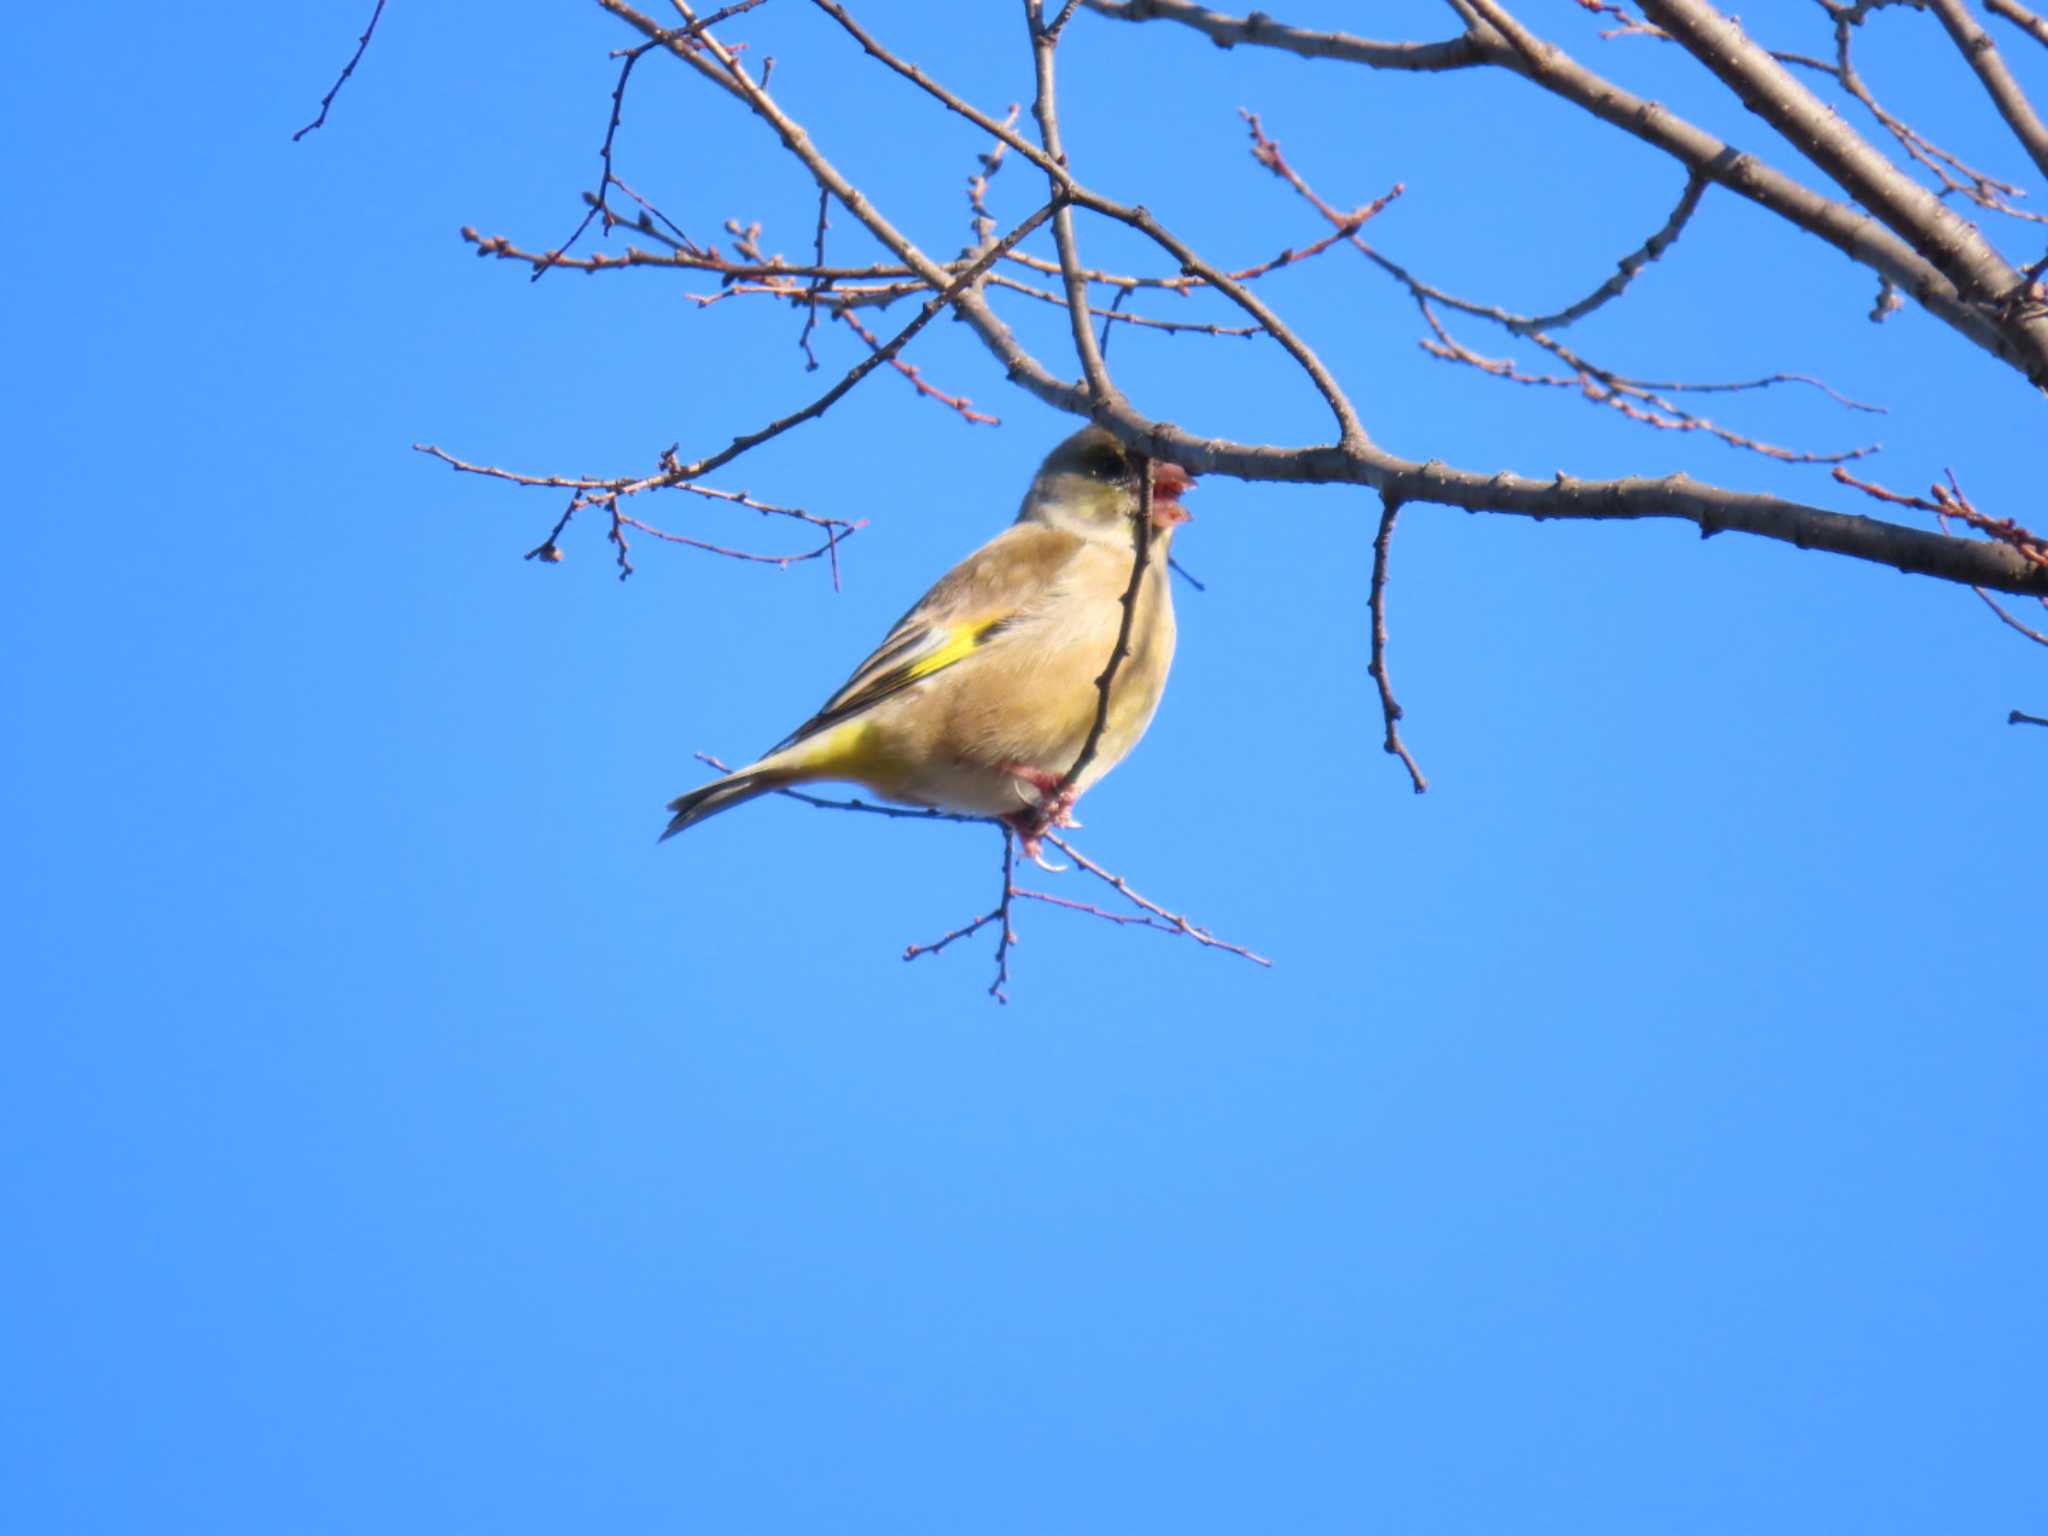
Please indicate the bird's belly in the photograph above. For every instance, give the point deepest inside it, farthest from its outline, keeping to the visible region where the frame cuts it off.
(983, 739)
(971, 756)
(967, 789)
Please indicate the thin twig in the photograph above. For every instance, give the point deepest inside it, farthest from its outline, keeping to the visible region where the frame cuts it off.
(595, 204)
(915, 375)
(2006, 617)
(2034, 26)
(1005, 934)
(1115, 305)
(932, 308)
(1179, 921)
(1113, 315)
(817, 286)
(980, 220)
(608, 493)
(1044, 107)
(1156, 915)
(895, 812)
(999, 914)
(1949, 501)
(362, 47)
(1955, 175)
(1637, 399)
(1141, 551)
(676, 473)
(973, 307)
(1633, 398)
(1390, 711)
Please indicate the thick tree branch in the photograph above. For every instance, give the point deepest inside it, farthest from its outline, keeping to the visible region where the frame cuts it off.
(1712, 509)
(1353, 458)
(1505, 43)
(1955, 175)
(1823, 137)
(2005, 92)
(1045, 108)
(1263, 30)
(975, 309)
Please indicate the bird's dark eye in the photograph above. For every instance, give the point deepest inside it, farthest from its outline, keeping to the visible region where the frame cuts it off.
(1106, 463)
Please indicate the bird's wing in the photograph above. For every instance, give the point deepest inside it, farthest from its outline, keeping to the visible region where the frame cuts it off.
(970, 605)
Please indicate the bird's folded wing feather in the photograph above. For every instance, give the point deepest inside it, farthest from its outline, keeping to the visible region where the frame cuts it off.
(974, 602)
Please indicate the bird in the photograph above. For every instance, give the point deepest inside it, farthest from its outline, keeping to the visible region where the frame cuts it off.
(981, 698)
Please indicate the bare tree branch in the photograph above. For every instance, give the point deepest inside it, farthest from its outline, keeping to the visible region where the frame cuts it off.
(1045, 108)
(1353, 458)
(1503, 42)
(2027, 21)
(1763, 85)
(362, 47)
(1637, 399)
(1629, 265)
(1390, 711)
(1976, 45)
(1261, 29)
(1887, 220)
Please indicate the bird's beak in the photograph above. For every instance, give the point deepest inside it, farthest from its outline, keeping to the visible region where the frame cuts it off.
(1169, 483)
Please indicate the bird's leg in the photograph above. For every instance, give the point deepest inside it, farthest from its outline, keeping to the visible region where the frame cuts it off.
(1055, 808)
(1030, 827)
(1055, 803)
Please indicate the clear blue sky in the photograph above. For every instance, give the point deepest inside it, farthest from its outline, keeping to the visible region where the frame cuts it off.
(1641, 1132)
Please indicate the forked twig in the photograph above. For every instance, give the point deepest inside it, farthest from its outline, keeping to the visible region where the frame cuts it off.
(999, 914)
(1175, 922)
(607, 495)
(1152, 914)
(1638, 399)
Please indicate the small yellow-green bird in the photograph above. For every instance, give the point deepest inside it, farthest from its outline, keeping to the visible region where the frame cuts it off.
(982, 696)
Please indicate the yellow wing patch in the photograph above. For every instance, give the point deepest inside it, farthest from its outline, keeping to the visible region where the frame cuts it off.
(941, 648)
(963, 640)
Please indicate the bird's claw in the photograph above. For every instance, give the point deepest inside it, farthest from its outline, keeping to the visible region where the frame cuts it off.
(1034, 850)
(1030, 828)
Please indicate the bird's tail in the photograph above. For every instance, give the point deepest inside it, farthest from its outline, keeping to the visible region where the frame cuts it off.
(721, 795)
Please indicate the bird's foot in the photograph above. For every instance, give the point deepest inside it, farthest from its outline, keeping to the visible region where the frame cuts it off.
(1030, 827)
(1056, 797)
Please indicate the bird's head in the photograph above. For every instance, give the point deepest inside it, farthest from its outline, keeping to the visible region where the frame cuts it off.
(1088, 485)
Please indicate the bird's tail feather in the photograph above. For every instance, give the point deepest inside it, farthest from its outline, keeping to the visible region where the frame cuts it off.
(721, 795)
